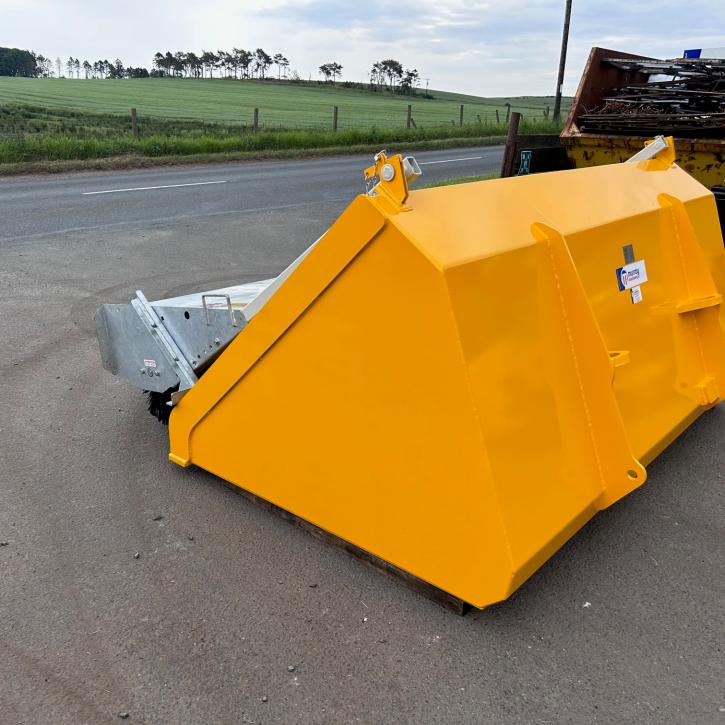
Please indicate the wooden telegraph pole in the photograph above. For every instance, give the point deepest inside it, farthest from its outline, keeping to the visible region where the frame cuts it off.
(562, 62)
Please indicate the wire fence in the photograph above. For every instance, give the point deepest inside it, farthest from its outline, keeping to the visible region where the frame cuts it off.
(405, 116)
(18, 121)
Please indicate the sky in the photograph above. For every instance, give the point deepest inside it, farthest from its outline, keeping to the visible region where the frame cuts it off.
(509, 47)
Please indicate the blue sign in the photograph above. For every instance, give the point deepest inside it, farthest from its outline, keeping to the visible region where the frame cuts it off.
(525, 165)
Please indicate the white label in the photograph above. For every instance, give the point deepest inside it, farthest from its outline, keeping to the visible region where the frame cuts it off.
(631, 275)
(150, 363)
(636, 293)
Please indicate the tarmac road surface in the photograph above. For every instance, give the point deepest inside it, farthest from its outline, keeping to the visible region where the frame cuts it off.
(34, 206)
(625, 624)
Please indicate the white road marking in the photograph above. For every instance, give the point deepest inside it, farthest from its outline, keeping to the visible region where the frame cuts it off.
(448, 161)
(147, 188)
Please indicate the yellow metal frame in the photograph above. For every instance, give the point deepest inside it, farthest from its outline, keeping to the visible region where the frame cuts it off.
(701, 159)
(452, 380)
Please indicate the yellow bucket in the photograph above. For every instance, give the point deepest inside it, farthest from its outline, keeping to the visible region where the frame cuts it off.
(456, 379)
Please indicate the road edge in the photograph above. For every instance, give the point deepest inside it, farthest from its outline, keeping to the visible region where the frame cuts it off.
(140, 162)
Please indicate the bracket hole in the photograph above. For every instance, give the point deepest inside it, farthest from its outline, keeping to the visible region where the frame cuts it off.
(632, 474)
(186, 314)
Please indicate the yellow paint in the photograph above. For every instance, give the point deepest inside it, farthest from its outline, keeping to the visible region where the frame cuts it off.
(705, 160)
(452, 380)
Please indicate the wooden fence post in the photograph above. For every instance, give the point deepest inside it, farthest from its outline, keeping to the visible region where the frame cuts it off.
(507, 164)
(255, 122)
(498, 120)
(334, 118)
(460, 119)
(508, 112)
(410, 115)
(546, 113)
(134, 123)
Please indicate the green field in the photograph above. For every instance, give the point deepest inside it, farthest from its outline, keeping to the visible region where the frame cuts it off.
(63, 124)
(281, 105)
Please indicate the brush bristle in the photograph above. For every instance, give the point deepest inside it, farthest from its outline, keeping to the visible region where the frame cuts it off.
(158, 404)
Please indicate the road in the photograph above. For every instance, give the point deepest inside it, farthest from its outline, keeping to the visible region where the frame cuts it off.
(131, 586)
(32, 207)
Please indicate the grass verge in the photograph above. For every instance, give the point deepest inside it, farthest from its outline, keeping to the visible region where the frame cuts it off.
(130, 161)
(60, 147)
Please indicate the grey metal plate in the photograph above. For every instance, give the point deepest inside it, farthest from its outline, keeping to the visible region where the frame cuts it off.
(201, 342)
(129, 350)
(178, 337)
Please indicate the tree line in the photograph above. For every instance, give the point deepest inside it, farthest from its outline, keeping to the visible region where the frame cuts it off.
(238, 63)
(99, 69)
(28, 64)
(23, 63)
(405, 80)
(231, 64)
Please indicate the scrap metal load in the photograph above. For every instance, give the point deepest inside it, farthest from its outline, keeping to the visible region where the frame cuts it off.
(457, 379)
(687, 99)
(623, 99)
